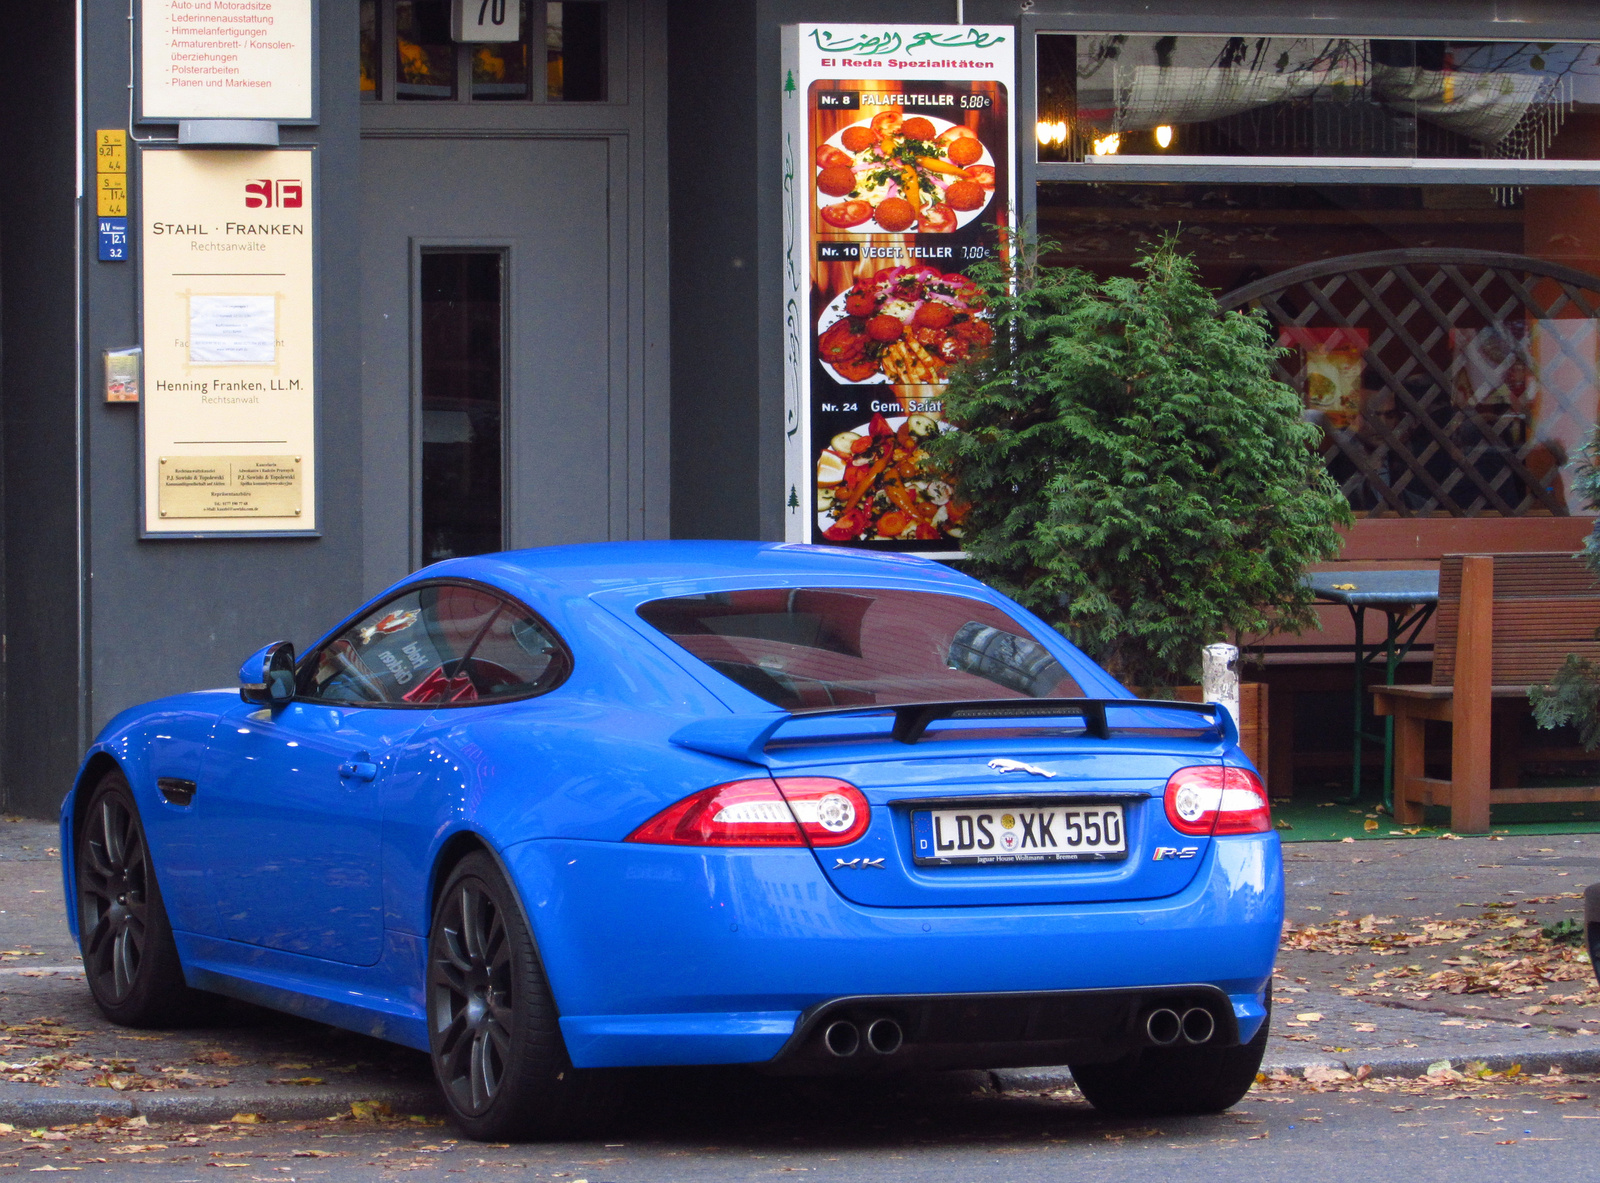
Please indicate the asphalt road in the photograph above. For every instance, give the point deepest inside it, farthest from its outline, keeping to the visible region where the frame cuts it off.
(730, 1126)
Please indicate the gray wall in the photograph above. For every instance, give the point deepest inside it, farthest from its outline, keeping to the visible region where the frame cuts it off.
(38, 408)
(169, 615)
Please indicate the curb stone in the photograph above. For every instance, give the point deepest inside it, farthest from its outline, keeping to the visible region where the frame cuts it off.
(1575, 1060)
(32, 1106)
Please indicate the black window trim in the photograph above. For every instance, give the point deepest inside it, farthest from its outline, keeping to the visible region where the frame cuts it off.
(306, 662)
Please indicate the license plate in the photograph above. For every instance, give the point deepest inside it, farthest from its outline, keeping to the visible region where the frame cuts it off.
(1018, 834)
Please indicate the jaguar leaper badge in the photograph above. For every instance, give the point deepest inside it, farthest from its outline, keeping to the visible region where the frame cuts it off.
(1004, 765)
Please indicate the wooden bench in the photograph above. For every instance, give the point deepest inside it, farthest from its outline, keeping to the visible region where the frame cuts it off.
(1505, 623)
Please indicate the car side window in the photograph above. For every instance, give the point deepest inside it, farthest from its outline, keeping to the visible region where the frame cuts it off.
(440, 644)
(408, 651)
(516, 656)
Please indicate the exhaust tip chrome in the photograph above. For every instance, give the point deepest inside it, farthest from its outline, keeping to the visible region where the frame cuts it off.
(1163, 1026)
(1198, 1025)
(842, 1038)
(884, 1036)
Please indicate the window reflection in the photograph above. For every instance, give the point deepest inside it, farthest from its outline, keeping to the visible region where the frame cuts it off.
(500, 69)
(1446, 339)
(575, 51)
(425, 66)
(371, 70)
(1308, 96)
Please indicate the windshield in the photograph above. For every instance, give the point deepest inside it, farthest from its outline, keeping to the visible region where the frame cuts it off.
(813, 648)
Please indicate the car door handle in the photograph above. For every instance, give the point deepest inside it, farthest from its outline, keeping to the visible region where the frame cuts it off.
(358, 770)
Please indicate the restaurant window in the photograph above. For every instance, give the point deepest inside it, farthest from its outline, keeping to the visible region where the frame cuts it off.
(1121, 95)
(1444, 338)
(416, 38)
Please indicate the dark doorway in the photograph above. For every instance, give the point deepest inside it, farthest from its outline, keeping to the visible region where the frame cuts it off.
(463, 403)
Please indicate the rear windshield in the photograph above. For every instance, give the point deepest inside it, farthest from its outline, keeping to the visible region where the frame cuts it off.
(813, 648)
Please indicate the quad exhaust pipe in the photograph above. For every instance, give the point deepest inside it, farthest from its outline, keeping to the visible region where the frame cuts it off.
(844, 1039)
(1165, 1027)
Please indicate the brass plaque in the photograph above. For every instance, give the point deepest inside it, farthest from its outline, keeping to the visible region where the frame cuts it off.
(230, 487)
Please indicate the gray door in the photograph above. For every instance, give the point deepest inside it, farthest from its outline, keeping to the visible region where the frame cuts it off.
(486, 270)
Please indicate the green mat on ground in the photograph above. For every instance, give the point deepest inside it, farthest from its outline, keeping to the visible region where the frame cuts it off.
(1306, 819)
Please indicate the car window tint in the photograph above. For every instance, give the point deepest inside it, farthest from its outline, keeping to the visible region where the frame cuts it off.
(516, 656)
(809, 648)
(410, 650)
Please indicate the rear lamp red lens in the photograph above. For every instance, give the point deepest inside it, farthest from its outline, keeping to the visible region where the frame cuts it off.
(788, 811)
(1216, 800)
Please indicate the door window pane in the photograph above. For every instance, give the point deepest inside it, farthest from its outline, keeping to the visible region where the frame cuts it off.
(371, 70)
(462, 403)
(425, 66)
(517, 656)
(1115, 94)
(575, 51)
(500, 68)
(408, 651)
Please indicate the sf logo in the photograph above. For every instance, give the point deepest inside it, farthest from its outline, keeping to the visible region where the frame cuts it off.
(267, 194)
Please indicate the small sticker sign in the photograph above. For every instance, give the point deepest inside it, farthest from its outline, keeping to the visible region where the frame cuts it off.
(113, 239)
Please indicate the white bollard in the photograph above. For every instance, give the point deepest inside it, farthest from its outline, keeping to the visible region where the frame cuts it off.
(1219, 676)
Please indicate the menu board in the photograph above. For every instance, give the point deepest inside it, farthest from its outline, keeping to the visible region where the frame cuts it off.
(897, 152)
(229, 410)
(225, 59)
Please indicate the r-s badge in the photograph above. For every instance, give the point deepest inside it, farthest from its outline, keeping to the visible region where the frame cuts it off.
(1169, 852)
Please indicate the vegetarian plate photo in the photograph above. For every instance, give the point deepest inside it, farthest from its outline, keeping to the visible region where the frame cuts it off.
(902, 325)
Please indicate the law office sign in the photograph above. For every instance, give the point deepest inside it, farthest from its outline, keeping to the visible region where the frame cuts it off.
(897, 154)
(229, 410)
(226, 59)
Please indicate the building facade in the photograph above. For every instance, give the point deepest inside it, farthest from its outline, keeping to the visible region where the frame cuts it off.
(542, 287)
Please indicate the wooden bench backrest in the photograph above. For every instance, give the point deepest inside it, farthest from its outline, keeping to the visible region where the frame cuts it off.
(1546, 605)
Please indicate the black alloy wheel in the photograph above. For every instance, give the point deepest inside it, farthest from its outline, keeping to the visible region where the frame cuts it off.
(493, 1036)
(472, 999)
(129, 956)
(114, 897)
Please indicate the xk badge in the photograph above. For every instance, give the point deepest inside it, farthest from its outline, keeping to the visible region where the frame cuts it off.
(857, 864)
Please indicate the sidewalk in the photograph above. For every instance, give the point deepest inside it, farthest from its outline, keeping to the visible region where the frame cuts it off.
(1398, 954)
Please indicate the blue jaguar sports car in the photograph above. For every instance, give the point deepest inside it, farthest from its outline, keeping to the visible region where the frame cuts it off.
(550, 812)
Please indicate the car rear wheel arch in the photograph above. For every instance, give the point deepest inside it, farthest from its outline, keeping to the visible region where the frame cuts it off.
(456, 848)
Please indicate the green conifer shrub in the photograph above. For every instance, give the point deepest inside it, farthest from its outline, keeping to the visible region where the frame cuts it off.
(1137, 476)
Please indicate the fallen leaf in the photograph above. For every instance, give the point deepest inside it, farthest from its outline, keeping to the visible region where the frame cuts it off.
(1310, 1016)
(1326, 1074)
(245, 1118)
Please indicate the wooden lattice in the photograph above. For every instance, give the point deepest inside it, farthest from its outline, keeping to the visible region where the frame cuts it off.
(1481, 367)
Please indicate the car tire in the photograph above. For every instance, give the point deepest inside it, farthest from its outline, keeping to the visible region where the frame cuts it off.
(130, 959)
(1163, 1082)
(493, 1035)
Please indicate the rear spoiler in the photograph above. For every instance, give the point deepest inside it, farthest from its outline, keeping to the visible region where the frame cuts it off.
(745, 737)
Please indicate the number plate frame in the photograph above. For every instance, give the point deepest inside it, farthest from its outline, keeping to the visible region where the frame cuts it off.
(924, 835)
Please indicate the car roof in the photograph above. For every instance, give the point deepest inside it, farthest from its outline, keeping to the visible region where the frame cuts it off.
(649, 569)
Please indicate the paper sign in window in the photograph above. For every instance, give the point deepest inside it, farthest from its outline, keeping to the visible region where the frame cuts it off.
(233, 330)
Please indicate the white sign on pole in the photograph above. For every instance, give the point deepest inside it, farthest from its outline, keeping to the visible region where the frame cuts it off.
(897, 156)
(225, 59)
(485, 20)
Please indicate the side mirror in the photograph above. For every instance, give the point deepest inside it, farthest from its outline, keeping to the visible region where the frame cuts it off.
(267, 675)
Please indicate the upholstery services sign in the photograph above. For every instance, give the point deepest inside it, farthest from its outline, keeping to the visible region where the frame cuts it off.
(225, 59)
(897, 153)
(229, 418)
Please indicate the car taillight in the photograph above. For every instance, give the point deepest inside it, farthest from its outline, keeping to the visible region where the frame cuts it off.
(831, 812)
(1214, 800)
(790, 811)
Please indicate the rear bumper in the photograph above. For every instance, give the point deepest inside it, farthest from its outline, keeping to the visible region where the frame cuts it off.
(675, 955)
